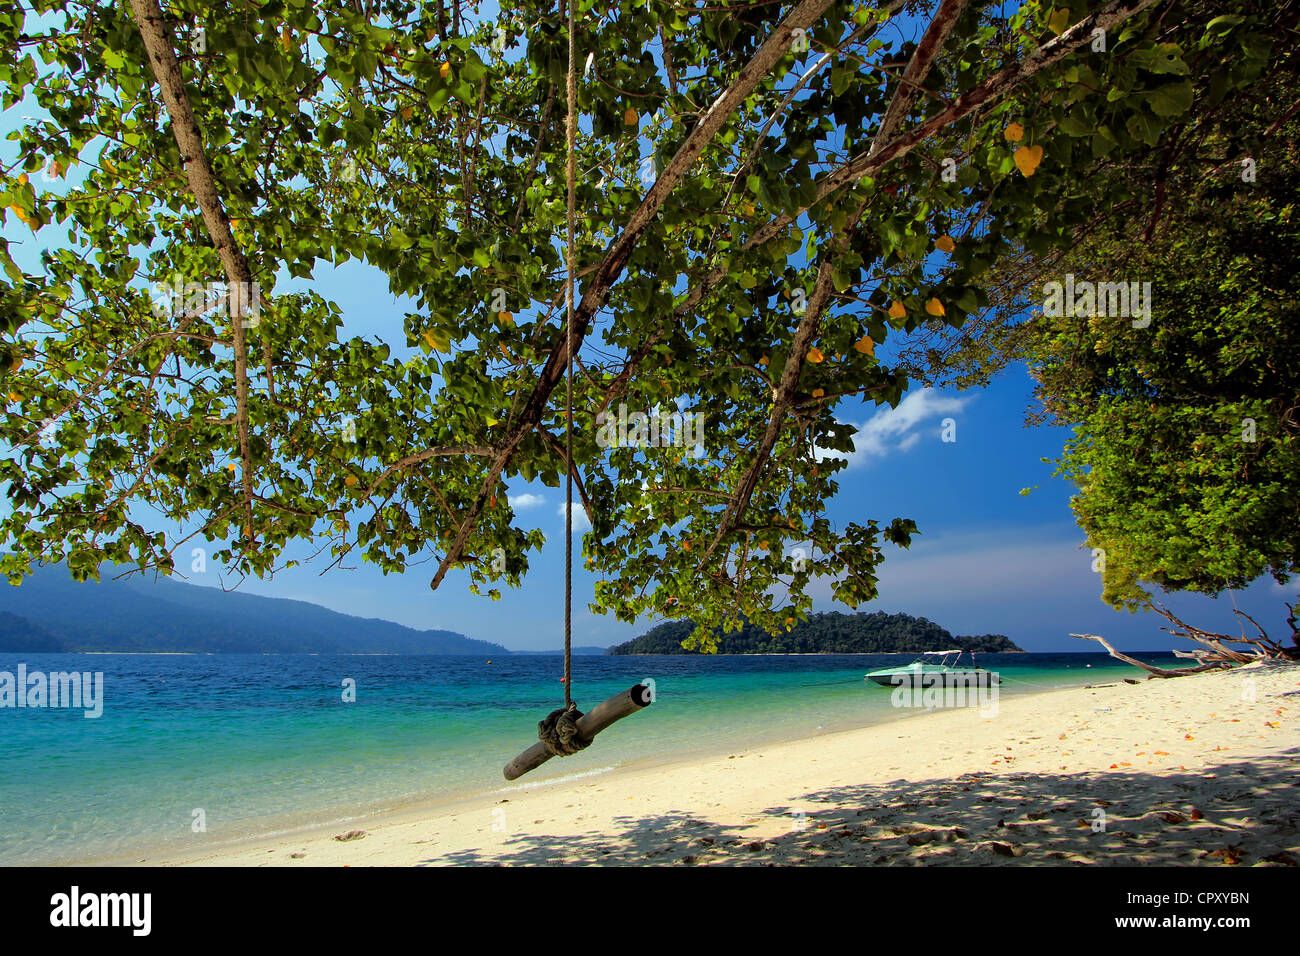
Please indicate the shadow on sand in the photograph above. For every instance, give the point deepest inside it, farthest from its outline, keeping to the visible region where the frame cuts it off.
(1236, 813)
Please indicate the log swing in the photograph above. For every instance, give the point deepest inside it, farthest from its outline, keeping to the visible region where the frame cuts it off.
(568, 730)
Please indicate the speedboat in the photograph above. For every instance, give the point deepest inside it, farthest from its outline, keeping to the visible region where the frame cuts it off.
(922, 673)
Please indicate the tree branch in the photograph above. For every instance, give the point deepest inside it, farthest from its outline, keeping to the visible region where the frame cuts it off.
(203, 184)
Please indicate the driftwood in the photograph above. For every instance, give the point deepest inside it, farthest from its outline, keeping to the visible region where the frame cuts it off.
(1214, 653)
(1215, 645)
(589, 724)
(1151, 668)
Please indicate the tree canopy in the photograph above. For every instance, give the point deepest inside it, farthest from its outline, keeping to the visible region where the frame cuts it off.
(1185, 450)
(767, 194)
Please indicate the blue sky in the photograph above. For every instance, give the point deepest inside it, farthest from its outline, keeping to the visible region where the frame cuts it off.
(987, 558)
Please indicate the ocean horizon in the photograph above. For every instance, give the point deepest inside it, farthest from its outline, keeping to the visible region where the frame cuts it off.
(199, 751)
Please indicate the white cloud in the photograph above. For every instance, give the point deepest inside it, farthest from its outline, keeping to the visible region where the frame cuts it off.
(980, 566)
(898, 429)
(528, 500)
(580, 522)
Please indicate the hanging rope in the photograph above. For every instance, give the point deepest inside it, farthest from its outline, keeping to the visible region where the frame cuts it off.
(570, 175)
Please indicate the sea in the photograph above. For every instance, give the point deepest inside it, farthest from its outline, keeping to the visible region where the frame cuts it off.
(193, 752)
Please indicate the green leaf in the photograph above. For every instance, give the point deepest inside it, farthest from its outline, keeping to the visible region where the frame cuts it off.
(1171, 100)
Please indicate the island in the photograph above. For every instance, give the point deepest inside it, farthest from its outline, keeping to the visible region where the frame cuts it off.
(829, 633)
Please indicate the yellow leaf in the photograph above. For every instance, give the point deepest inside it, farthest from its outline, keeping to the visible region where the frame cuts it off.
(1014, 133)
(231, 466)
(896, 311)
(22, 179)
(945, 244)
(934, 307)
(818, 392)
(438, 341)
(1027, 158)
(865, 345)
(630, 117)
(444, 71)
(1058, 21)
(406, 112)
(507, 319)
(764, 360)
(350, 480)
(815, 355)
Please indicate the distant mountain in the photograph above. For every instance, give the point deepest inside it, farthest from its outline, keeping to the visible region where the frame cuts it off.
(20, 636)
(830, 633)
(147, 614)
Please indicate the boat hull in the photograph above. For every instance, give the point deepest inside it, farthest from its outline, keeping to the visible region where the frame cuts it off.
(935, 679)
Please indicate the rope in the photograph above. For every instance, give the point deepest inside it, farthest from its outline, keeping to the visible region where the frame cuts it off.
(559, 732)
(570, 175)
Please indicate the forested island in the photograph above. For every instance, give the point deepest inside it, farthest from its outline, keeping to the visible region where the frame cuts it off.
(829, 633)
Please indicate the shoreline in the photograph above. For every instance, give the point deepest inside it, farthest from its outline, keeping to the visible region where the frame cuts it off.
(946, 786)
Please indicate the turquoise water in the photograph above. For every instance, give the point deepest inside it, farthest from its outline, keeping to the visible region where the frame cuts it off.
(265, 744)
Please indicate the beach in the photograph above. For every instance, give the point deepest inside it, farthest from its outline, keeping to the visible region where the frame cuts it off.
(1198, 770)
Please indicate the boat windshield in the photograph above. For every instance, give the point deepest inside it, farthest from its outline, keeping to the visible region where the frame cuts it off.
(943, 656)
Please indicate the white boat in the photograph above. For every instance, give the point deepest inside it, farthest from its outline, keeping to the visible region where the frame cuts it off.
(921, 673)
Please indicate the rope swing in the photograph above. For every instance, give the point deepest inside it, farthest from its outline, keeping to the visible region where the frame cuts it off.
(568, 730)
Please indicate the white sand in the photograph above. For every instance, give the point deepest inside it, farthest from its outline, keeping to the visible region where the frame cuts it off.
(1179, 771)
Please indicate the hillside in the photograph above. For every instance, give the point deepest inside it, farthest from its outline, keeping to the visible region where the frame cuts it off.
(21, 636)
(144, 614)
(830, 633)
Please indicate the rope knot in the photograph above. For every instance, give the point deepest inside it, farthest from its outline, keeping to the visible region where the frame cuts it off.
(559, 731)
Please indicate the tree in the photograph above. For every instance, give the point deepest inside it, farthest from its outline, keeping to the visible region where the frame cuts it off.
(1185, 450)
(766, 195)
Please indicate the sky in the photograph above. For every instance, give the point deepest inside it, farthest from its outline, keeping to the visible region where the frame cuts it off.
(987, 559)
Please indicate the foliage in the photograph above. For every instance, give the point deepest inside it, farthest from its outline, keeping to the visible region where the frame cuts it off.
(1187, 450)
(428, 143)
(1215, 132)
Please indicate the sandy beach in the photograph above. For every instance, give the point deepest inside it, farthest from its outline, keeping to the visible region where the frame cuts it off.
(1200, 770)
